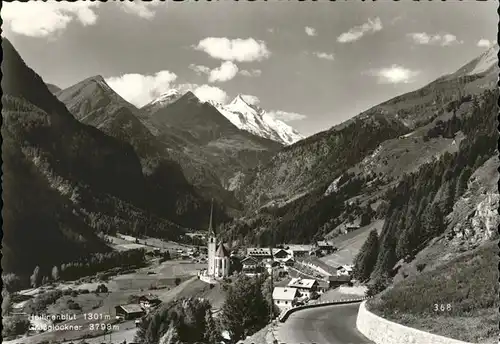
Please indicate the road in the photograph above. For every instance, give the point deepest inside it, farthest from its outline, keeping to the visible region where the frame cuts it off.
(334, 324)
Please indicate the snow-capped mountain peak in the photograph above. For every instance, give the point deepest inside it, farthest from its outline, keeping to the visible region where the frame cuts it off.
(166, 97)
(487, 60)
(257, 121)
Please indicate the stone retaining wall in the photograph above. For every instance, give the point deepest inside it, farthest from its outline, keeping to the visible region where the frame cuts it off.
(383, 331)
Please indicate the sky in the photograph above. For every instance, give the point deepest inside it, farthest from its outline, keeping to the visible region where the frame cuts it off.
(310, 64)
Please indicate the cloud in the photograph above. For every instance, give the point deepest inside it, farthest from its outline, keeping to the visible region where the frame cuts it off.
(252, 100)
(43, 19)
(206, 92)
(240, 50)
(359, 31)
(484, 43)
(310, 31)
(140, 89)
(286, 116)
(423, 38)
(393, 75)
(199, 69)
(251, 73)
(225, 72)
(325, 56)
(144, 10)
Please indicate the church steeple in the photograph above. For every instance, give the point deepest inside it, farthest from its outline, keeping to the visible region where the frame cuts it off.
(210, 224)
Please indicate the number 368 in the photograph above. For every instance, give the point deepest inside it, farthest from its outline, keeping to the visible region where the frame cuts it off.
(442, 307)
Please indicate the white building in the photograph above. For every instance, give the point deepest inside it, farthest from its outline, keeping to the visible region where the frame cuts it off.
(344, 270)
(305, 286)
(285, 297)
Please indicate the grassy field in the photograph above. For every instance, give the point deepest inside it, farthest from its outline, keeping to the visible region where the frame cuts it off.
(158, 279)
(458, 299)
(349, 244)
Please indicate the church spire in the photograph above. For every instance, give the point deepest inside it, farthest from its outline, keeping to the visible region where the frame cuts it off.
(210, 228)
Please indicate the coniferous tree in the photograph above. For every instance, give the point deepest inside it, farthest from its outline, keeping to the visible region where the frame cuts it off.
(212, 333)
(367, 257)
(245, 310)
(55, 273)
(36, 278)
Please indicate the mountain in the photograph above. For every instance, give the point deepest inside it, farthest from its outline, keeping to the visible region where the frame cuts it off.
(330, 181)
(64, 183)
(212, 150)
(257, 121)
(241, 114)
(170, 195)
(484, 63)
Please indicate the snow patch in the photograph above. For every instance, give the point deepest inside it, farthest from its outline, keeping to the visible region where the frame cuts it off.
(487, 60)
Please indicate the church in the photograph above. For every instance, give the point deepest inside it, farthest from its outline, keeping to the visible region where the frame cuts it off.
(218, 259)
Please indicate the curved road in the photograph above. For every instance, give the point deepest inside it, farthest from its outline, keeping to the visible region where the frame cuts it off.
(334, 324)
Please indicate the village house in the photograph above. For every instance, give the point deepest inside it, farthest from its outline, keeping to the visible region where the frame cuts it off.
(323, 286)
(129, 312)
(325, 247)
(285, 297)
(289, 261)
(336, 281)
(259, 253)
(344, 270)
(149, 301)
(298, 251)
(280, 254)
(250, 264)
(305, 286)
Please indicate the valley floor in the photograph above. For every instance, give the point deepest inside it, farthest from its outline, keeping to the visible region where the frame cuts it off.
(157, 279)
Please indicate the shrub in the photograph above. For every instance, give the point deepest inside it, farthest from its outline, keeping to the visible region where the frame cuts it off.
(15, 326)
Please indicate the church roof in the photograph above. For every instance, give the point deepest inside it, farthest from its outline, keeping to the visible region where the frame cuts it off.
(221, 251)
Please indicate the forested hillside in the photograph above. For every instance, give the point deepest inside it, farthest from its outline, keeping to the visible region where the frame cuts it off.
(64, 183)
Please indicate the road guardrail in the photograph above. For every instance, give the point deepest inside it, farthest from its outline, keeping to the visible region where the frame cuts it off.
(285, 314)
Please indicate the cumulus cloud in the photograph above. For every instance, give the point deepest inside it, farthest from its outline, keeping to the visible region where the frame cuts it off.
(323, 55)
(251, 73)
(206, 92)
(199, 69)
(42, 19)
(240, 50)
(484, 43)
(140, 89)
(310, 31)
(423, 38)
(144, 10)
(225, 72)
(373, 25)
(286, 116)
(394, 75)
